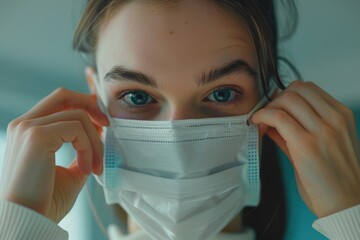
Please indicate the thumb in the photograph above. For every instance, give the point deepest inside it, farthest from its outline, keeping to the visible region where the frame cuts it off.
(78, 176)
(68, 184)
(72, 178)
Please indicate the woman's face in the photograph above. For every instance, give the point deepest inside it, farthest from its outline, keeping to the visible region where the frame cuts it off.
(183, 61)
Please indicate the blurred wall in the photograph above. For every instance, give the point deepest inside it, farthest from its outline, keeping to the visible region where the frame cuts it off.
(325, 49)
(36, 58)
(326, 46)
(36, 55)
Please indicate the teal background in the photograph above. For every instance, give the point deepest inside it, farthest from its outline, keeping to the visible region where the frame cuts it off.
(36, 58)
(325, 49)
(300, 217)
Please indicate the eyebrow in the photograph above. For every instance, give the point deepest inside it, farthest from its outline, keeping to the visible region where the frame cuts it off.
(237, 66)
(121, 73)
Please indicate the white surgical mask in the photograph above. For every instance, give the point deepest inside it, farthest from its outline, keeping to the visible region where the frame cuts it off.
(182, 179)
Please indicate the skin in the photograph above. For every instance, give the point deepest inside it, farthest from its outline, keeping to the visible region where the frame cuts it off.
(315, 131)
(180, 44)
(175, 46)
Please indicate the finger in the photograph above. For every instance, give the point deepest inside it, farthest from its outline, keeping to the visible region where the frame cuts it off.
(322, 103)
(332, 112)
(69, 182)
(87, 125)
(287, 127)
(42, 142)
(292, 103)
(275, 136)
(62, 99)
(77, 179)
(311, 91)
(54, 135)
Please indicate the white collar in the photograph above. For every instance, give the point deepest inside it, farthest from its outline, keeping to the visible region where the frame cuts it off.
(115, 234)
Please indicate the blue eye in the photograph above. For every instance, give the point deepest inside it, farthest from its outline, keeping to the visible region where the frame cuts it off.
(222, 95)
(137, 98)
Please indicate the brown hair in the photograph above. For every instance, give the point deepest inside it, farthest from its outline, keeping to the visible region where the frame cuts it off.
(269, 218)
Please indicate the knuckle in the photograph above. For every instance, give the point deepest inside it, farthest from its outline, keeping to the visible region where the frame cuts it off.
(59, 94)
(63, 96)
(327, 133)
(280, 115)
(36, 132)
(297, 84)
(77, 125)
(310, 84)
(13, 124)
(60, 91)
(291, 96)
(24, 125)
(339, 120)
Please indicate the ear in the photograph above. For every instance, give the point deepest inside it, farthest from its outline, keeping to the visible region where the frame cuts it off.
(90, 77)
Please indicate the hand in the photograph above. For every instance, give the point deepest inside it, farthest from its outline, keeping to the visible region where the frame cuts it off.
(318, 135)
(31, 177)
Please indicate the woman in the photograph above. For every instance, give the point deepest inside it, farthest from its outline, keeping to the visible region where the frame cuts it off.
(199, 65)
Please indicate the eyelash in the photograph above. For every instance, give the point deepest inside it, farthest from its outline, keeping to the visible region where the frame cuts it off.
(133, 106)
(238, 93)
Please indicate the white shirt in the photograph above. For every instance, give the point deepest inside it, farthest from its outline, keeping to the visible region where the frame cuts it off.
(115, 234)
(18, 222)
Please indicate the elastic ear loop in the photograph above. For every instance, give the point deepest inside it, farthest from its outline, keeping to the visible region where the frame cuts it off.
(101, 103)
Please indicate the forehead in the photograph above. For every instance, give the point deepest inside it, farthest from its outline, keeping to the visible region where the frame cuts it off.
(153, 36)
